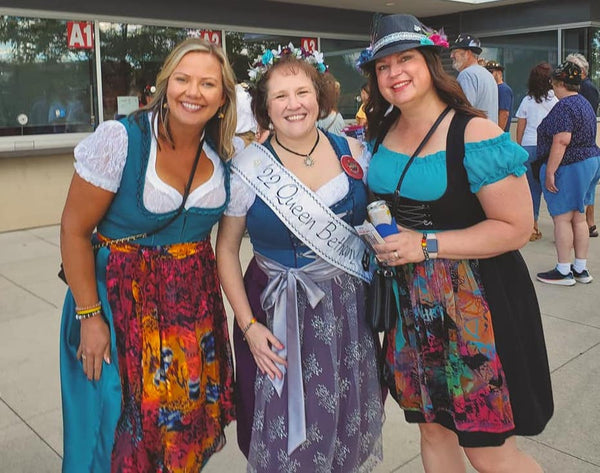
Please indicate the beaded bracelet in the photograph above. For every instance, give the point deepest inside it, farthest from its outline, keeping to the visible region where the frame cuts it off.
(424, 246)
(88, 315)
(247, 327)
(88, 309)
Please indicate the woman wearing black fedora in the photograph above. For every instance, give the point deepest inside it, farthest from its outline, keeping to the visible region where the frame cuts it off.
(467, 359)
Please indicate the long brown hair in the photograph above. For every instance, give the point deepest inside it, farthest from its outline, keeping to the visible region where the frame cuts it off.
(446, 86)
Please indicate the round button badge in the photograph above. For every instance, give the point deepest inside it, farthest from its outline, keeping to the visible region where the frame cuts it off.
(351, 167)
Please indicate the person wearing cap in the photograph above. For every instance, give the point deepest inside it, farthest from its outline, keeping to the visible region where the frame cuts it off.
(477, 83)
(466, 360)
(567, 144)
(505, 94)
(589, 90)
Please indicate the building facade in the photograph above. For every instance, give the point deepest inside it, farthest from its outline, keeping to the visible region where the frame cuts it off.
(64, 71)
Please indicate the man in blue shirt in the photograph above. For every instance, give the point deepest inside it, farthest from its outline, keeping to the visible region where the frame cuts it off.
(505, 95)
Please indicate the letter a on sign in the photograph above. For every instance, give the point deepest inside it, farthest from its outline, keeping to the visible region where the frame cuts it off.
(80, 35)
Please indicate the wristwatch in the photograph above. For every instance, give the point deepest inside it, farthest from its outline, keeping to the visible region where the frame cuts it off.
(431, 244)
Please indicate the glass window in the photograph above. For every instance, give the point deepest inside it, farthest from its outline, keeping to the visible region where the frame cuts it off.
(587, 42)
(244, 48)
(518, 54)
(341, 57)
(131, 57)
(46, 86)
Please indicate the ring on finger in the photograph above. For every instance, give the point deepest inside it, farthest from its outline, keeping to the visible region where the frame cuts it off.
(396, 255)
(83, 357)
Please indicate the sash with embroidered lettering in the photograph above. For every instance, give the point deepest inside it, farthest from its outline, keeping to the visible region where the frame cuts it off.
(301, 210)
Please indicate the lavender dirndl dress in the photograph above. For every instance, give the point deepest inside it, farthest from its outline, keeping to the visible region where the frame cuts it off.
(338, 351)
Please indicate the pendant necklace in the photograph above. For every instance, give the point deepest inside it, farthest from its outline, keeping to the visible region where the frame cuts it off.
(308, 160)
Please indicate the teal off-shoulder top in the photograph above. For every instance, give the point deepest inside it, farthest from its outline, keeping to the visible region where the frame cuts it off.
(486, 162)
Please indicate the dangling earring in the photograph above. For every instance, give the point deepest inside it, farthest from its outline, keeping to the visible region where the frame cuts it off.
(270, 126)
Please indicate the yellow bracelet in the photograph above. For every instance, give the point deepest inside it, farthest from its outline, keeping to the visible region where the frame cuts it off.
(95, 305)
(247, 327)
(89, 315)
(91, 310)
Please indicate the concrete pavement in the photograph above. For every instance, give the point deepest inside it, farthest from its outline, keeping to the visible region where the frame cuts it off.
(30, 415)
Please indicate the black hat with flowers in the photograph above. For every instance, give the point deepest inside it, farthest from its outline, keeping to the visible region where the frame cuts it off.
(494, 66)
(467, 41)
(397, 33)
(568, 72)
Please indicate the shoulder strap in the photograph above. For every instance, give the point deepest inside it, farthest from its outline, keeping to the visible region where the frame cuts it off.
(417, 151)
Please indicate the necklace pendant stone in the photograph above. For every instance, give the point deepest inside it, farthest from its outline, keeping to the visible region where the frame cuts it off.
(308, 161)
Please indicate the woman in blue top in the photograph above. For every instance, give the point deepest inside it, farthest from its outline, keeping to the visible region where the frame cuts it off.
(567, 143)
(467, 359)
(308, 392)
(146, 369)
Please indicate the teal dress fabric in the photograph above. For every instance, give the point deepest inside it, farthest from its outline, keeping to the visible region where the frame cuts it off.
(91, 409)
(486, 162)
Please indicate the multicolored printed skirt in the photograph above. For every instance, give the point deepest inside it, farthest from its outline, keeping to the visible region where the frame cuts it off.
(174, 357)
(465, 354)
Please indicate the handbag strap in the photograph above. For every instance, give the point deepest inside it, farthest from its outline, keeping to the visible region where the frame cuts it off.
(414, 155)
(177, 213)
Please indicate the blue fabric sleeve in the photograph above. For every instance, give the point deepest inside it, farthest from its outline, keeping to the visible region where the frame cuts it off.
(504, 99)
(492, 160)
(561, 118)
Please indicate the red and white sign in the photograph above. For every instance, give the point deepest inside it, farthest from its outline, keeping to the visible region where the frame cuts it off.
(309, 44)
(211, 36)
(80, 35)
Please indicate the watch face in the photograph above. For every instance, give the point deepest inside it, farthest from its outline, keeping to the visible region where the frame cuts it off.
(432, 245)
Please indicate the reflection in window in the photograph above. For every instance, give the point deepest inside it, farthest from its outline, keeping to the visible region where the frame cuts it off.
(518, 54)
(341, 57)
(587, 42)
(42, 81)
(244, 48)
(131, 58)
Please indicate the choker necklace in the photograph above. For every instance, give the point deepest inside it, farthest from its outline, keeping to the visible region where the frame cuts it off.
(308, 160)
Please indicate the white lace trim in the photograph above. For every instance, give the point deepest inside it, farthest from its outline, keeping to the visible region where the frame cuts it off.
(100, 157)
(100, 160)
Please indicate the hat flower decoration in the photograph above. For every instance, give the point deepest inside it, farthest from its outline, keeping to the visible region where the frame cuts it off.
(271, 56)
(434, 38)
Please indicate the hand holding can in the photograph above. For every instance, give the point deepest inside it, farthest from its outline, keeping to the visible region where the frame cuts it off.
(381, 218)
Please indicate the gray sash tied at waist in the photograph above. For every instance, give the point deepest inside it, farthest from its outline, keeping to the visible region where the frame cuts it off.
(279, 300)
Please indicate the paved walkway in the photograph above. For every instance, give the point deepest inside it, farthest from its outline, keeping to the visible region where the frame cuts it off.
(30, 416)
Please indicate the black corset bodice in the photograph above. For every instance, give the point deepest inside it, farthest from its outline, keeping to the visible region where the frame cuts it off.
(457, 208)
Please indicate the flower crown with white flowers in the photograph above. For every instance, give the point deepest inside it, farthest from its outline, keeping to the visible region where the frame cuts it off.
(271, 57)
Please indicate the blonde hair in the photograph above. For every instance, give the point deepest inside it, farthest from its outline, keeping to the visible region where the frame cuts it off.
(220, 130)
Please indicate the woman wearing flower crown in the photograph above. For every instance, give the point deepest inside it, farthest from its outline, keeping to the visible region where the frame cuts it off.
(314, 403)
(467, 359)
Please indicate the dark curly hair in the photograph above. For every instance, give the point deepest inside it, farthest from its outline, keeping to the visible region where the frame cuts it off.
(539, 84)
(446, 86)
(293, 66)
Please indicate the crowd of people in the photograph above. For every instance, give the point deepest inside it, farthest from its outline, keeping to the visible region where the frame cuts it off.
(147, 370)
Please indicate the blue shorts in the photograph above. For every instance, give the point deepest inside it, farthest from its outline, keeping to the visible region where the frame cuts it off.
(576, 185)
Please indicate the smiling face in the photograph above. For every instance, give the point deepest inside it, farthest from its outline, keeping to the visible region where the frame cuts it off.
(292, 102)
(195, 90)
(403, 77)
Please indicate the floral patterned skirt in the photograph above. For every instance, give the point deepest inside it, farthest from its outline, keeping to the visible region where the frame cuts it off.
(174, 357)
(344, 409)
(468, 351)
